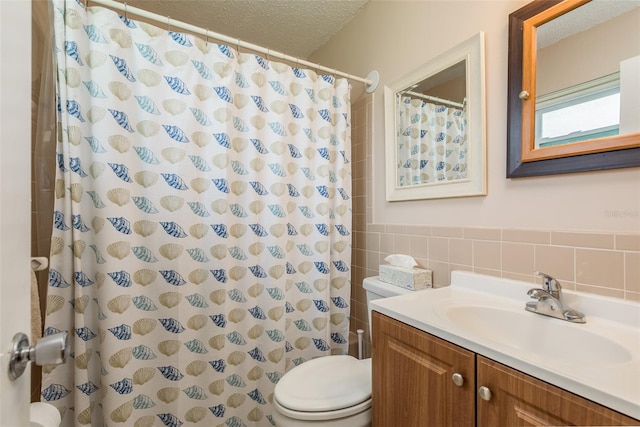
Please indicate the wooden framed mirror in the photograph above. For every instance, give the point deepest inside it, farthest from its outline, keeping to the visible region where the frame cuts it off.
(542, 94)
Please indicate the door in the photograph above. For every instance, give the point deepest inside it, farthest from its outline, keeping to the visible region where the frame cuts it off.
(15, 188)
(517, 399)
(420, 380)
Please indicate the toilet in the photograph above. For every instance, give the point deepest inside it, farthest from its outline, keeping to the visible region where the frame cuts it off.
(332, 391)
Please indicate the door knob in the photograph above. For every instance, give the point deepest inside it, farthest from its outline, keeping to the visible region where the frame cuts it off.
(50, 350)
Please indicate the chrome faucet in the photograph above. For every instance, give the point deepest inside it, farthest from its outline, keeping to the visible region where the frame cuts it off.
(550, 302)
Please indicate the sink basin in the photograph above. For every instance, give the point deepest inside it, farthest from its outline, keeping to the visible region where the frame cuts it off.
(536, 334)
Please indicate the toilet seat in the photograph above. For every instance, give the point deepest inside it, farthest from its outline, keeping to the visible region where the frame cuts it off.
(325, 388)
(323, 416)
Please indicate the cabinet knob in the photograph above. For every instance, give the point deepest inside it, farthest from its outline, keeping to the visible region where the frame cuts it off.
(484, 393)
(458, 379)
(524, 95)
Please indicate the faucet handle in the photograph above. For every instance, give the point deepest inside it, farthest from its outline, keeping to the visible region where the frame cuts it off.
(550, 284)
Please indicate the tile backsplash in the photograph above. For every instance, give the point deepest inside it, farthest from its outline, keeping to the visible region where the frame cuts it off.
(597, 262)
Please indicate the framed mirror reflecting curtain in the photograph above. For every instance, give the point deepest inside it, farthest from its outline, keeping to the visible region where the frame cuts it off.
(435, 127)
(545, 26)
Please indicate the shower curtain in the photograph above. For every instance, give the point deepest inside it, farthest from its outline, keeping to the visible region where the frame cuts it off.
(201, 243)
(432, 142)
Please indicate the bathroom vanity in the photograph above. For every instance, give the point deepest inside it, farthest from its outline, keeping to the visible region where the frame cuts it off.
(469, 355)
(421, 380)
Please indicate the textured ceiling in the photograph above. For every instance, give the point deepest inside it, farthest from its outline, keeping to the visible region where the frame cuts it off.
(582, 18)
(294, 27)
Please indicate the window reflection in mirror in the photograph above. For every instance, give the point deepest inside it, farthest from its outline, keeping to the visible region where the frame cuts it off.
(587, 74)
(431, 121)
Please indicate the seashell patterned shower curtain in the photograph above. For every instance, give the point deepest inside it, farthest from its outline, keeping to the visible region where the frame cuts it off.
(201, 242)
(432, 142)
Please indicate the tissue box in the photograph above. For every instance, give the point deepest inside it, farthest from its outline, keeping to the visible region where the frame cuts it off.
(408, 278)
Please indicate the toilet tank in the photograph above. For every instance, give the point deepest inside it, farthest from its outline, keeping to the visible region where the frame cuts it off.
(377, 289)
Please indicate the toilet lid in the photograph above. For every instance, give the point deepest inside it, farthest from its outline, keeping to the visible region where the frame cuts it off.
(325, 384)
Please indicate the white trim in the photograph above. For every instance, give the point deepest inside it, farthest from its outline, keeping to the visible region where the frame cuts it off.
(600, 84)
(471, 51)
(15, 193)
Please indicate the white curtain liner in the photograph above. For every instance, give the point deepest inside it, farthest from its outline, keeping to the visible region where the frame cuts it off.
(371, 81)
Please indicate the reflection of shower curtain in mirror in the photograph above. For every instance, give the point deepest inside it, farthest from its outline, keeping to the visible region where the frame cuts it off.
(432, 143)
(202, 226)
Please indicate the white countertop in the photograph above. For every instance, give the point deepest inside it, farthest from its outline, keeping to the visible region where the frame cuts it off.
(613, 382)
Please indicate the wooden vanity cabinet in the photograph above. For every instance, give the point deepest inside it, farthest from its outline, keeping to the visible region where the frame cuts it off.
(518, 399)
(413, 386)
(412, 378)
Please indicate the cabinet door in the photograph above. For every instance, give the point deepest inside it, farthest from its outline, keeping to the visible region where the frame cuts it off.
(520, 400)
(412, 378)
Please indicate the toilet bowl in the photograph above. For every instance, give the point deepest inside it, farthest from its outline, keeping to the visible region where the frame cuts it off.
(328, 391)
(332, 391)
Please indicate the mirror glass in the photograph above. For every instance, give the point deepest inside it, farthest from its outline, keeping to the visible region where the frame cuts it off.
(434, 119)
(573, 88)
(431, 137)
(579, 97)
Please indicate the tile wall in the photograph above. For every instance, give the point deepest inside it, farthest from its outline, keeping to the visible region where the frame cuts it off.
(601, 263)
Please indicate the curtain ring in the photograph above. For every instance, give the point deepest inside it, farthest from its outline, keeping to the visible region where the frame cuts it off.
(126, 14)
(168, 23)
(206, 37)
(268, 54)
(238, 41)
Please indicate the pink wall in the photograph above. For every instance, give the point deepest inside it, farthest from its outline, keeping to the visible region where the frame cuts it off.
(582, 228)
(395, 37)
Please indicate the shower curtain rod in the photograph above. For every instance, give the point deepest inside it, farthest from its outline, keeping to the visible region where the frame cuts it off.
(435, 99)
(370, 82)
